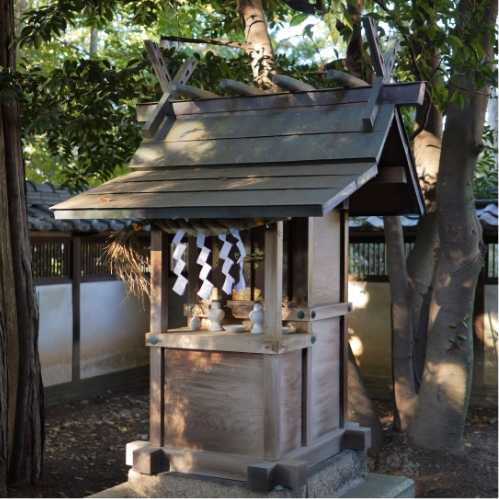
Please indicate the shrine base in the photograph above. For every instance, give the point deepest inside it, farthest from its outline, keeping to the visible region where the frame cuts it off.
(340, 476)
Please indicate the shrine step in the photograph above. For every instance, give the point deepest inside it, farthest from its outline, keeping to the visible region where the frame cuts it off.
(383, 486)
(372, 486)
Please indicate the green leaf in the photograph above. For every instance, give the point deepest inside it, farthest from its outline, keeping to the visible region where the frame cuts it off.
(354, 3)
(456, 40)
(452, 340)
(453, 326)
(461, 337)
(298, 19)
(307, 31)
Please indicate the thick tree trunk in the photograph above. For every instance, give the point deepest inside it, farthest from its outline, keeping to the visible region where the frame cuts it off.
(421, 260)
(444, 395)
(22, 415)
(402, 337)
(9, 347)
(259, 44)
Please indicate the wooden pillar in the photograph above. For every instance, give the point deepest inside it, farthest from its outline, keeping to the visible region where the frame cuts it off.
(344, 252)
(158, 324)
(273, 282)
(273, 331)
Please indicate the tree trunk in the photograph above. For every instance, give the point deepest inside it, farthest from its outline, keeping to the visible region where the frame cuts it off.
(444, 395)
(259, 44)
(421, 260)
(402, 337)
(21, 412)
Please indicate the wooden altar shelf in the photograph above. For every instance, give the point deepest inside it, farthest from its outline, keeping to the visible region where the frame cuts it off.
(222, 341)
(242, 309)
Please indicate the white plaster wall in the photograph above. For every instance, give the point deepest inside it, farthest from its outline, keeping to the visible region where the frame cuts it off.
(112, 329)
(55, 338)
(490, 335)
(369, 327)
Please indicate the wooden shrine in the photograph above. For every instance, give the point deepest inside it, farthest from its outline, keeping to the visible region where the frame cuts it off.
(260, 408)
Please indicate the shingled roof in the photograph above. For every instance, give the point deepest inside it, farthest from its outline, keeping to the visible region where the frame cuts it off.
(271, 155)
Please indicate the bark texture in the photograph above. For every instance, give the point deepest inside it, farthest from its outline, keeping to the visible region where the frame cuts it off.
(402, 337)
(259, 46)
(444, 395)
(21, 416)
(421, 260)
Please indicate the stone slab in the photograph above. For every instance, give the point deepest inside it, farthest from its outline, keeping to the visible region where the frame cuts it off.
(383, 486)
(328, 479)
(121, 490)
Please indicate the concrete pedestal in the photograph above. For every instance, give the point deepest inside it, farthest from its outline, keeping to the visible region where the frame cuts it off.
(340, 476)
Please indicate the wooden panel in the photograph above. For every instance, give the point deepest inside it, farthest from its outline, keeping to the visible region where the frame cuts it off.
(244, 211)
(225, 184)
(392, 175)
(273, 282)
(272, 407)
(326, 120)
(399, 93)
(325, 377)
(214, 402)
(324, 260)
(319, 147)
(294, 169)
(291, 400)
(214, 199)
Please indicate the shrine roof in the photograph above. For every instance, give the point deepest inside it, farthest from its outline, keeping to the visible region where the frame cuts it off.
(271, 155)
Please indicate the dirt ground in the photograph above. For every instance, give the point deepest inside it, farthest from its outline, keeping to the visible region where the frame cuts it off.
(85, 450)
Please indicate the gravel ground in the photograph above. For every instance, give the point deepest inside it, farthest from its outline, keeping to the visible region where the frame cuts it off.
(85, 450)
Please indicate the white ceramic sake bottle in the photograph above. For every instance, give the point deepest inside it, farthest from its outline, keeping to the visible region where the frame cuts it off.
(215, 314)
(257, 317)
(195, 323)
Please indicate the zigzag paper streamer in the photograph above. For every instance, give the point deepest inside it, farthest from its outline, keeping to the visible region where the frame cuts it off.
(181, 282)
(241, 285)
(205, 291)
(228, 262)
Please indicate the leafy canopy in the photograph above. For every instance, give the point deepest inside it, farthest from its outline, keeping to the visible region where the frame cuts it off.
(78, 109)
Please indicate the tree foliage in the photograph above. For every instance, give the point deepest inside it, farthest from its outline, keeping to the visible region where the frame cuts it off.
(78, 114)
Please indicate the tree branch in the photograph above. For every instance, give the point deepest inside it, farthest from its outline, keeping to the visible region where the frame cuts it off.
(382, 5)
(306, 8)
(210, 41)
(429, 103)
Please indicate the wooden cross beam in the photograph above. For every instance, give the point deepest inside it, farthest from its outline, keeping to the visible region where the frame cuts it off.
(165, 80)
(383, 65)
